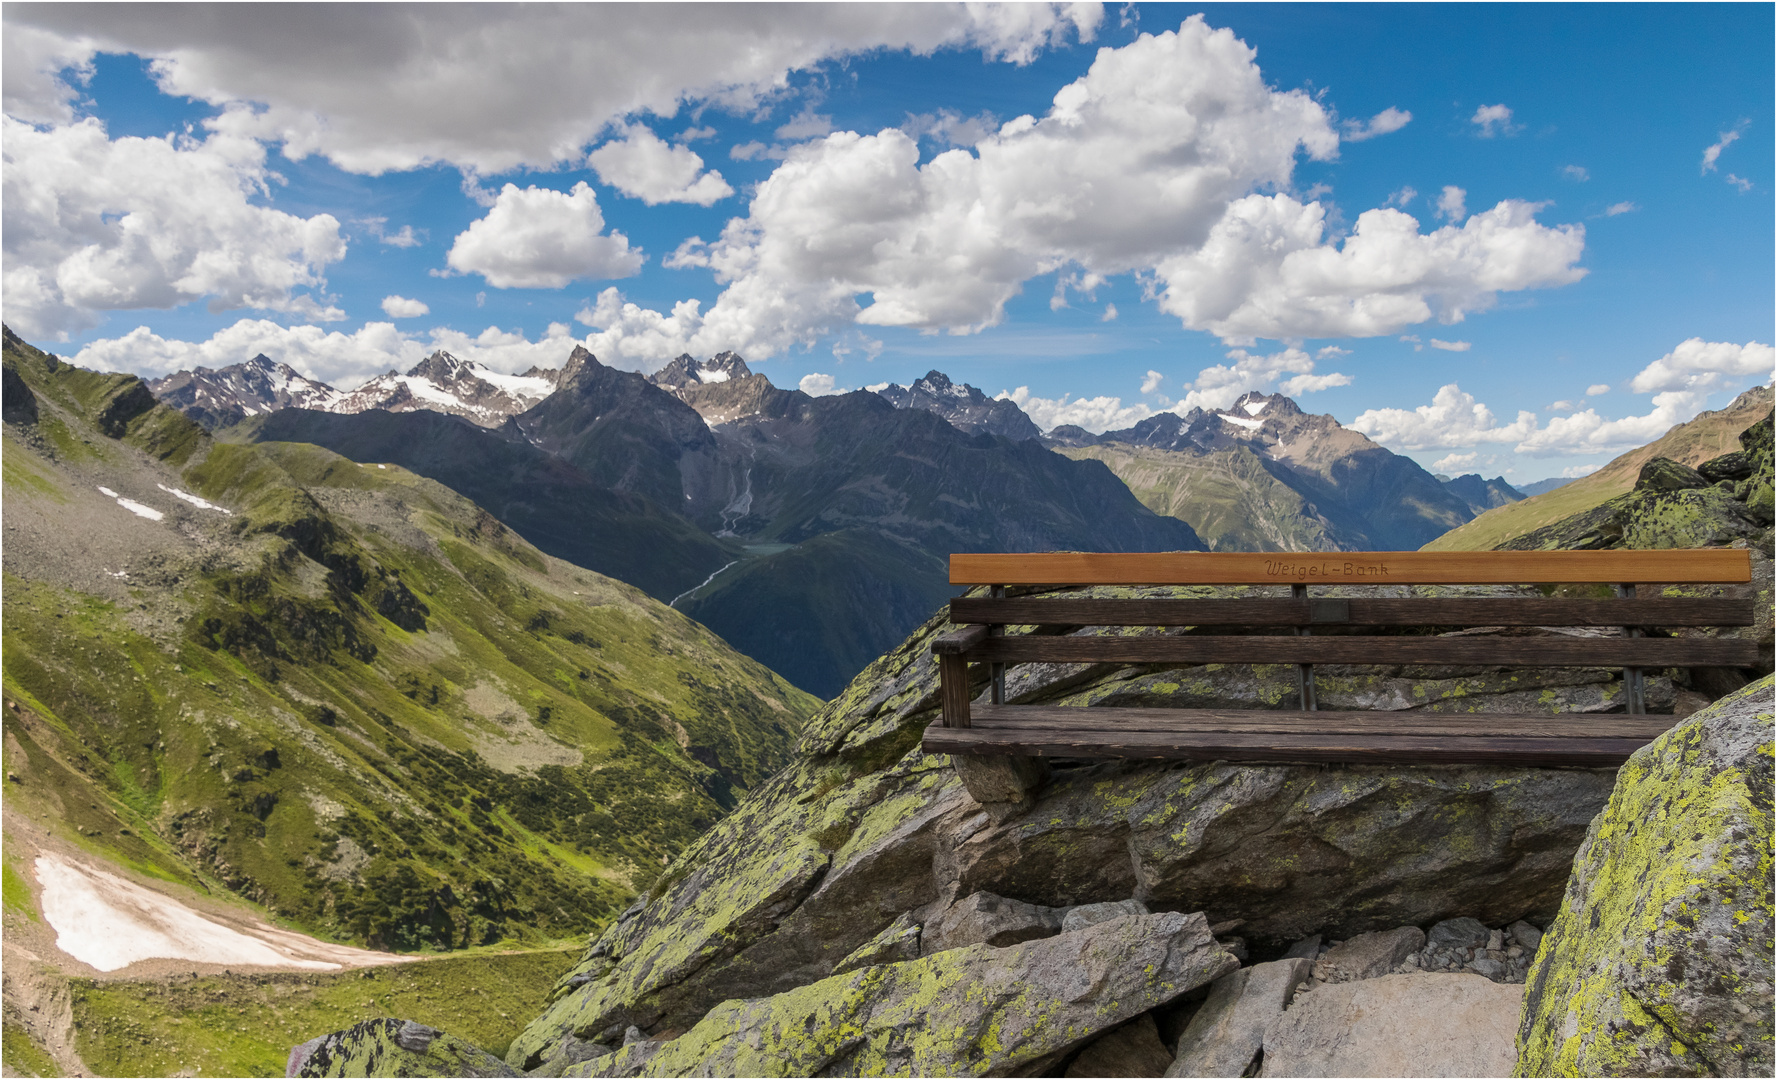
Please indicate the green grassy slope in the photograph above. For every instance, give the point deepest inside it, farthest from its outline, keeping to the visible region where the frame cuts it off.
(360, 702)
(1709, 435)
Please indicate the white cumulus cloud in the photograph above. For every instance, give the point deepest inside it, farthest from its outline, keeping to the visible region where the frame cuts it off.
(1597, 388)
(1152, 382)
(1388, 120)
(1453, 419)
(1576, 173)
(1493, 120)
(1452, 205)
(400, 307)
(539, 238)
(1451, 346)
(341, 359)
(1704, 365)
(1712, 154)
(1218, 387)
(1095, 414)
(643, 165)
(817, 384)
(487, 88)
(95, 224)
(1453, 463)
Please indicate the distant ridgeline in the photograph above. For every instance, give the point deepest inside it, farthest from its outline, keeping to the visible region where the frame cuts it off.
(343, 691)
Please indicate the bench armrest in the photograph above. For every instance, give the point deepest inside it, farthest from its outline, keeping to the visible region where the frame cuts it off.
(958, 642)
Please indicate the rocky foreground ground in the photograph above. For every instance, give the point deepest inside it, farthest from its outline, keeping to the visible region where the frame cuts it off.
(875, 910)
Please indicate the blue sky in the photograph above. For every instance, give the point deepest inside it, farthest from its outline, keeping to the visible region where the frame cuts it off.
(1218, 201)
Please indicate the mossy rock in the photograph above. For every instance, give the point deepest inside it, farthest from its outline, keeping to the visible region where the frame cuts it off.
(388, 1047)
(1660, 962)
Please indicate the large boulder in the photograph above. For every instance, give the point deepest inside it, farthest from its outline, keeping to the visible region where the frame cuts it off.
(1660, 962)
(863, 832)
(1397, 1025)
(975, 1011)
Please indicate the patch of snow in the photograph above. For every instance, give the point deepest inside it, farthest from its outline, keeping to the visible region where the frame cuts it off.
(382, 466)
(109, 923)
(711, 375)
(107, 492)
(139, 510)
(1250, 425)
(201, 504)
(427, 390)
(516, 385)
(1254, 408)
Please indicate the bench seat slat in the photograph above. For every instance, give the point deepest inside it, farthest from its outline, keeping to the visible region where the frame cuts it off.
(1546, 651)
(1525, 611)
(1117, 720)
(1280, 748)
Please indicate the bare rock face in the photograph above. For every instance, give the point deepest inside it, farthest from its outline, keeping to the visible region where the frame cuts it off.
(995, 920)
(1134, 1049)
(1659, 963)
(848, 859)
(1397, 1025)
(979, 1010)
(1227, 1032)
(392, 1048)
(1369, 955)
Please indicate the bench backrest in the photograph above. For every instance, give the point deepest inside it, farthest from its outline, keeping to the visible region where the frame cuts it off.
(1695, 566)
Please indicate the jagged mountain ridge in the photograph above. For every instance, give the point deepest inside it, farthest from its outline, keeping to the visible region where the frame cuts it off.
(1264, 475)
(1481, 494)
(440, 383)
(965, 406)
(864, 500)
(218, 398)
(341, 691)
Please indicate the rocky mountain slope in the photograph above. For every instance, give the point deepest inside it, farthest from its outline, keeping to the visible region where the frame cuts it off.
(440, 383)
(963, 405)
(1265, 476)
(1481, 494)
(1707, 436)
(846, 507)
(340, 691)
(548, 501)
(229, 395)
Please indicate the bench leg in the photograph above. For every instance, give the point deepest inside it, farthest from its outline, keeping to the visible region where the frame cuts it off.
(953, 689)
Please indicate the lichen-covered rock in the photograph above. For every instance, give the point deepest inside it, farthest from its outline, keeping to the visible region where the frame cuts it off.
(389, 1047)
(1660, 962)
(862, 829)
(976, 1011)
(983, 918)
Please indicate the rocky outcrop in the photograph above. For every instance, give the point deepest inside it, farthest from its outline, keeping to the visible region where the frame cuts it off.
(974, 1011)
(1228, 1031)
(964, 406)
(1397, 1025)
(392, 1048)
(864, 845)
(1660, 961)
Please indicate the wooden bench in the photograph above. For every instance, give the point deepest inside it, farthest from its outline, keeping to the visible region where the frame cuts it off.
(1346, 635)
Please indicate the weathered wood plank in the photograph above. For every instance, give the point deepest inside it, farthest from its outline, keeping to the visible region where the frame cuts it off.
(1263, 611)
(959, 641)
(1716, 565)
(1282, 748)
(953, 689)
(1544, 651)
(1119, 721)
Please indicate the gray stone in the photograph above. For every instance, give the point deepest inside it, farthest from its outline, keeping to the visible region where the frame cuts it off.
(897, 943)
(1488, 967)
(1227, 1032)
(971, 1011)
(1461, 933)
(1525, 935)
(390, 1047)
(1369, 955)
(983, 918)
(568, 1053)
(1134, 1049)
(861, 828)
(1308, 948)
(1078, 918)
(1002, 784)
(1659, 962)
(1398, 1025)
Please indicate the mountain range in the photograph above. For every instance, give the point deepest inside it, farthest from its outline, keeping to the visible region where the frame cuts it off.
(1262, 475)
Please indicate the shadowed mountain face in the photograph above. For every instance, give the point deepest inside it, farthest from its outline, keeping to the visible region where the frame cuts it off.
(1482, 495)
(545, 499)
(847, 506)
(1265, 476)
(964, 406)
